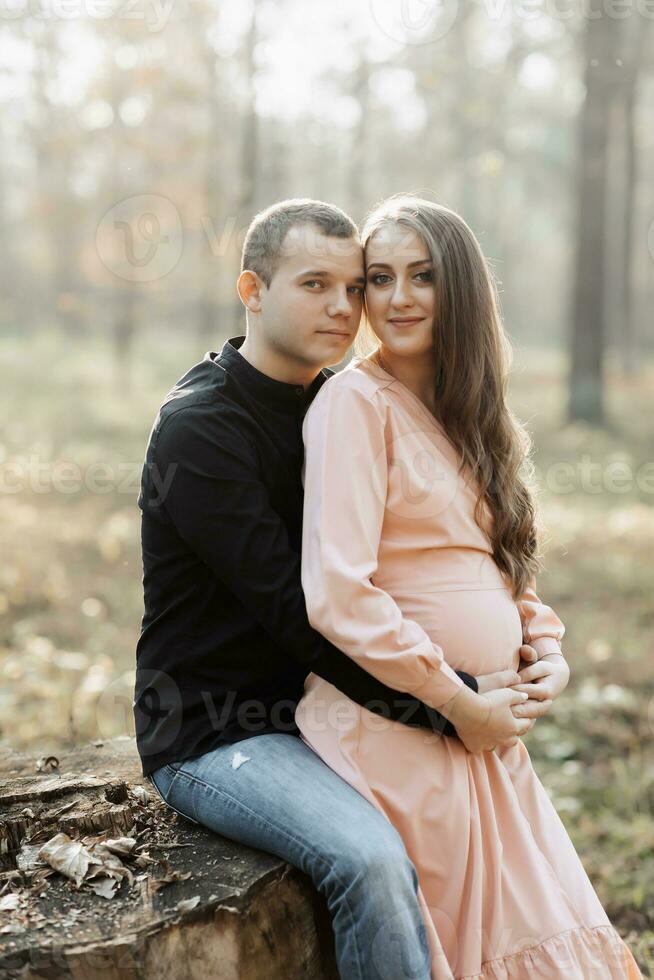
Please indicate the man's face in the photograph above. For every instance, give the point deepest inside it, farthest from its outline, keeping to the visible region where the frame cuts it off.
(312, 308)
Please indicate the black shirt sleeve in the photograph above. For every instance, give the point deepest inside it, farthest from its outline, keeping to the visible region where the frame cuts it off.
(219, 505)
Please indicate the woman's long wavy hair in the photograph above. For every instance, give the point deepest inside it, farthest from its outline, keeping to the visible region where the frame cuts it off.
(473, 357)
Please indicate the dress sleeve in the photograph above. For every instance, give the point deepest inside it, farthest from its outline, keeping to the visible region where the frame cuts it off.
(345, 479)
(541, 627)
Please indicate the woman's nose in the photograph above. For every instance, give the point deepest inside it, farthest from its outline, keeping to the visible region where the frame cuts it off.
(401, 295)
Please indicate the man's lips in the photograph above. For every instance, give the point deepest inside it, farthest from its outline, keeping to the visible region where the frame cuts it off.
(335, 333)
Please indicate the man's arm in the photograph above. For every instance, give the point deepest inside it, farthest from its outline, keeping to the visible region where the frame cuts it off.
(220, 507)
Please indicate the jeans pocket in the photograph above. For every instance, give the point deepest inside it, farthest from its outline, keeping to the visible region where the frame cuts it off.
(166, 776)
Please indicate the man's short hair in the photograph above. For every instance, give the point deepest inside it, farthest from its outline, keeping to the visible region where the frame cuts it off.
(262, 249)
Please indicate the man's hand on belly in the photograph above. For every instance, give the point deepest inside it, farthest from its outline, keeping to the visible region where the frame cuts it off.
(507, 678)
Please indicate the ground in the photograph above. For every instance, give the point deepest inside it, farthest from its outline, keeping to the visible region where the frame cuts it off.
(71, 451)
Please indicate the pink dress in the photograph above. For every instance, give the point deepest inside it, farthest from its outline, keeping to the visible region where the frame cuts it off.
(398, 575)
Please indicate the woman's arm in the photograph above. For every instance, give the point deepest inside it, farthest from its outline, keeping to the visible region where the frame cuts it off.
(541, 627)
(345, 480)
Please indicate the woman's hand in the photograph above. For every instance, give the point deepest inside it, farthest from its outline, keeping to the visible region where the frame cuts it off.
(498, 679)
(543, 684)
(483, 721)
(544, 680)
(510, 678)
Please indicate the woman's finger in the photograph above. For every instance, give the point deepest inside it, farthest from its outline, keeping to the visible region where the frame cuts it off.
(532, 708)
(537, 692)
(528, 654)
(534, 671)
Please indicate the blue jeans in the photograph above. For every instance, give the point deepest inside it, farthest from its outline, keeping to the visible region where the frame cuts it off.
(286, 801)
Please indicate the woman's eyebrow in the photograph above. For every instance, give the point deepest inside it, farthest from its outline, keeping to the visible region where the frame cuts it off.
(385, 265)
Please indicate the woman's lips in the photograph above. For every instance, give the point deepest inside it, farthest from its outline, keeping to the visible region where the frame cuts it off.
(405, 321)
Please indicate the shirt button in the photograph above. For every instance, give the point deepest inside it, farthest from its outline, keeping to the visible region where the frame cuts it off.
(299, 391)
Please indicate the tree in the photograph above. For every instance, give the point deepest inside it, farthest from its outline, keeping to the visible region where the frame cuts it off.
(588, 336)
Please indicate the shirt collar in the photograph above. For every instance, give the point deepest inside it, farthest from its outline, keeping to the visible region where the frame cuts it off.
(268, 390)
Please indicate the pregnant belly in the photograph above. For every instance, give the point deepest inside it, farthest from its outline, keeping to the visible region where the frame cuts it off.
(478, 630)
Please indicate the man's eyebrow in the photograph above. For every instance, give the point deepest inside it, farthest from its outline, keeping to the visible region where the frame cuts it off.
(324, 274)
(385, 265)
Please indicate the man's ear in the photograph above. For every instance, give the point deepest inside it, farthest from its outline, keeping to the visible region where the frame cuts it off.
(250, 288)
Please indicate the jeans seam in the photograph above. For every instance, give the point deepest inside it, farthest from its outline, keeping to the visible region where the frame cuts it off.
(290, 837)
(166, 801)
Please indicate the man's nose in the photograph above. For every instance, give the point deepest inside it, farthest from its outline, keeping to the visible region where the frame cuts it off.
(341, 304)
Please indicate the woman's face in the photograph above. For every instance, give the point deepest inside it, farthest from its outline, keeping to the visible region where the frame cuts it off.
(400, 296)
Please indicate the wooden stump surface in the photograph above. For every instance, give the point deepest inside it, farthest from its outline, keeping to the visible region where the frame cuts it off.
(192, 904)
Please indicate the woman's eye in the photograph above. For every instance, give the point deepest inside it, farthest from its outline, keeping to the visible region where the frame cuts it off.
(425, 276)
(379, 278)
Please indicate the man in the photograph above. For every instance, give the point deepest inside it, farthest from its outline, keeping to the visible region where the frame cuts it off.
(226, 643)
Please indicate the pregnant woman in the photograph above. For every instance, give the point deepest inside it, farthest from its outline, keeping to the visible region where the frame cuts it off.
(419, 555)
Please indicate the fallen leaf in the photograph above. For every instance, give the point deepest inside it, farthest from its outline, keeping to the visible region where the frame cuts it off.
(122, 846)
(188, 903)
(28, 859)
(47, 763)
(105, 887)
(141, 794)
(9, 902)
(67, 856)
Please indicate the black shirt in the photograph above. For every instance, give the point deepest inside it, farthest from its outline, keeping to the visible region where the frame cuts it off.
(225, 641)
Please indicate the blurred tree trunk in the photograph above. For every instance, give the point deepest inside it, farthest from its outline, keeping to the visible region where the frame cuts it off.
(123, 320)
(624, 138)
(248, 163)
(588, 338)
(54, 206)
(124, 323)
(358, 163)
(210, 279)
(467, 115)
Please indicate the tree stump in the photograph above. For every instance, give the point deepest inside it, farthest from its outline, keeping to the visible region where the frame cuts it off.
(179, 900)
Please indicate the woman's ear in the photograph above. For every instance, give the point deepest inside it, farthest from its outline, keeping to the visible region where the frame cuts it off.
(250, 287)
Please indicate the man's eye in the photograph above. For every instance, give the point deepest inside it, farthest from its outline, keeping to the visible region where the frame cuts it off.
(357, 290)
(379, 278)
(313, 282)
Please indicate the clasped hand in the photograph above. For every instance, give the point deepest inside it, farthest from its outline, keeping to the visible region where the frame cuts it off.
(509, 714)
